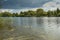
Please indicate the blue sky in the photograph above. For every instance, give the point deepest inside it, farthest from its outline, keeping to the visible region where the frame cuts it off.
(20, 4)
(29, 4)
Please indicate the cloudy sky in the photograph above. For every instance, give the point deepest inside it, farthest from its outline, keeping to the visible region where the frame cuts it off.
(21, 5)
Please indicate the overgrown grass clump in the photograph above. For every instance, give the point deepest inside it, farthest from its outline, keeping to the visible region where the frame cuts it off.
(5, 23)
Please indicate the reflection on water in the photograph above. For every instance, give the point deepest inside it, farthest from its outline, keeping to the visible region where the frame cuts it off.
(33, 28)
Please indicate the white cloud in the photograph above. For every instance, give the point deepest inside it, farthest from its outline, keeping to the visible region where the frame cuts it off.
(56, 0)
(16, 10)
(52, 5)
(6, 10)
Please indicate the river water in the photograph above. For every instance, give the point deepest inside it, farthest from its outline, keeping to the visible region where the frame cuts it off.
(35, 28)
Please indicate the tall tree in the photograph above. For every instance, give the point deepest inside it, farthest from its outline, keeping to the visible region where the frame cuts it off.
(16, 15)
(13, 15)
(50, 13)
(21, 14)
(39, 12)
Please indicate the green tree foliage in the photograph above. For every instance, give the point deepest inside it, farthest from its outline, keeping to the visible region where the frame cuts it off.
(30, 13)
(38, 13)
(50, 13)
(21, 14)
(16, 15)
(13, 15)
(55, 13)
(58, 10)
(44, 14)
(5, 14)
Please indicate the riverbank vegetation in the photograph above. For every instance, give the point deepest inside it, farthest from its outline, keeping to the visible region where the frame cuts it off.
(5, 27)
(38, 13)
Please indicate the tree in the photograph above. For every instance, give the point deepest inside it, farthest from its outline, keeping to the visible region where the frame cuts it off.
(45, 14)
(55, 13)
(39, 12)
(58, 10)
(50, 13)
(16, 15)
(5, 14)
(31, 13)
(21, 14)
(13, 15)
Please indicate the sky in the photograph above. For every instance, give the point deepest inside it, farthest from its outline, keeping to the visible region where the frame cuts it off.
(24, 5)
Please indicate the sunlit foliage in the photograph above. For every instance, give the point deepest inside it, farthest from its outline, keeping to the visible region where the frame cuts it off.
(38, 13)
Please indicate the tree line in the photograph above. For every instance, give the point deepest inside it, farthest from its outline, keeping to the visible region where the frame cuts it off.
(38, 13)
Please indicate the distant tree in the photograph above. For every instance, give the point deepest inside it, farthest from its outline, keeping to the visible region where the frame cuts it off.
(55, 14)
(21, 14)
(50, 13)
(58, 10)
(31, 13)
(13, 15)
(39, 12)
(45, 14)
(16, 15)
(5, 14)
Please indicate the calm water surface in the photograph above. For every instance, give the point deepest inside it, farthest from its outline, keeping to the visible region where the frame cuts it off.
(35, 28)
